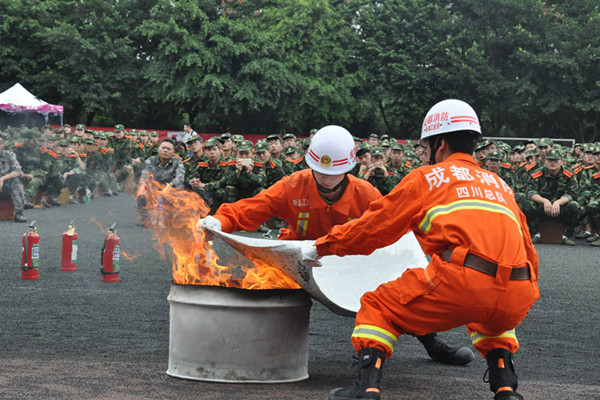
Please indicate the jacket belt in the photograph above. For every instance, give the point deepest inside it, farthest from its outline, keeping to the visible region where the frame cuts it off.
(489, 268)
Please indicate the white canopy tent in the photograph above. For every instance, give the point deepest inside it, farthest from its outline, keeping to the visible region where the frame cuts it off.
(17, 99)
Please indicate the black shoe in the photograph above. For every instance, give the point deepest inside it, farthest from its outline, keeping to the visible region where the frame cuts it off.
(508, 395)
(19, 217)
(441, 352)
(27, 206)
(370, 361)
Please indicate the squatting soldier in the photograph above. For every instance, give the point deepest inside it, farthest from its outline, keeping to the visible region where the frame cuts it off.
(34, 165)
(276, 147)
(227, 153)
(120, 143)
(247, 176)
(98, 169)
(165, 168)
(378, 175)
(152, 145)
(69, 171)
(289, 139)
(552, 192)
(397, 163)
(212, 172)
(293, 160)
(493, 163)
(364, 156)
(11, 185)
(273, 168)
(192, 180)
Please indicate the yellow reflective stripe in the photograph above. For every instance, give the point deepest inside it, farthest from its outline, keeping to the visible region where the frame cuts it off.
(375, 333)
(478, 337)
(302, 224)
(425, 224)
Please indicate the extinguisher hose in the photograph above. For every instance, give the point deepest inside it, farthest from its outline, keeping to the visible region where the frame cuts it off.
(26, 266)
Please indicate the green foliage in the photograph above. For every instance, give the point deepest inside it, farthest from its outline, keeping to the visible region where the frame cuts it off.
(528, 67)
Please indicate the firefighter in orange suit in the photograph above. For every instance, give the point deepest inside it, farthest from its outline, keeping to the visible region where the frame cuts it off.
(313, 201)
(483, 268)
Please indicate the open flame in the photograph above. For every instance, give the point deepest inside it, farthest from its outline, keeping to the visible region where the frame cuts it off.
(173, 214)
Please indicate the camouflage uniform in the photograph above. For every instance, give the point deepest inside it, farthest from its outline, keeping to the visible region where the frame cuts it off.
(273, 168)
(122, 154)
(98, 167)
(33, 161)
(564, 184)
(290, 166)
(384, 182)
(12, 188)
(240, 185)
(173, 172)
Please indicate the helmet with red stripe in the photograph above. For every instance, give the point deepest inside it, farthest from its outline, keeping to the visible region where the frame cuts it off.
(331, 151)
(449, 116)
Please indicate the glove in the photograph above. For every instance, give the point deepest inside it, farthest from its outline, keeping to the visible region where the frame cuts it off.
(204, 225)
(309, 256)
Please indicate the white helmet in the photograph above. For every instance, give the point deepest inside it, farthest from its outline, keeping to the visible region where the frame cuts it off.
(449, 116)
(331, 151)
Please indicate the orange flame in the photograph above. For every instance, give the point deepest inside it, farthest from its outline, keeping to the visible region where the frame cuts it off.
(173, 214)
(130, 256)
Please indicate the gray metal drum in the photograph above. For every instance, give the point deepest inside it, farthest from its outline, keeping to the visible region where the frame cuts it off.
(232, 335)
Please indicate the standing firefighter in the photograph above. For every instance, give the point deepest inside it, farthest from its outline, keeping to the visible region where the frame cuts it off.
(483, 268)
(314, 200)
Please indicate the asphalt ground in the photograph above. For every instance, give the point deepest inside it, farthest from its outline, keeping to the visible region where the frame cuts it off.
(69, 335)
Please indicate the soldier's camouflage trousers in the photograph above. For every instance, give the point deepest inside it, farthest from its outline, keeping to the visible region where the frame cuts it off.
(568, 216)
(33, 187)
(13, 189)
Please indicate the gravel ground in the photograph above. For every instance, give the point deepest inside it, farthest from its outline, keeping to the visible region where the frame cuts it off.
(71, 336)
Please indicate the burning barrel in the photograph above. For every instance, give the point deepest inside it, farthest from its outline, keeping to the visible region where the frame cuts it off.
(223, 334)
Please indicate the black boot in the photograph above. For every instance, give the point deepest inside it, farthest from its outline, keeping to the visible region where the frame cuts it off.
(370, 361)
(502, 378)
(441, 352)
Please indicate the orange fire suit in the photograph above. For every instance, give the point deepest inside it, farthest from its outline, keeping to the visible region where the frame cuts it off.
(296, 200)
(453, 205)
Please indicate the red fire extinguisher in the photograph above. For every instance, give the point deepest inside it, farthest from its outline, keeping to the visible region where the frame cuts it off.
(110, 257)
(69, 249)
(31, 254)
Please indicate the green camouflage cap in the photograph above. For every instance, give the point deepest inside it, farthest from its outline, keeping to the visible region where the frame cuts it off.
(396, 146)
(385, 136)
(385, 143)
(67, 126)
(88, 141)
(364, 148)
(313, 131)
(543, 142)
(588, 148)
(153, 134)
(63, 143)
(31, 133)
(213, 141)
(596, 150)
(518, 148)
(553, 154)
(290, 150)
(237, 138)
(244, 145)
(378, 151)
(74, 139)
(289, 136)
(357, 139)
(119, 127)
(224, 136)
(60, 130)
(260, 147)
(273, 137)
(80, 127)
(374, 135)
(52, 138)
(102, 135)
(531, 153)
(493, 155)
(193, 138)
(306, 143)
(143, 133)
(483, 144)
